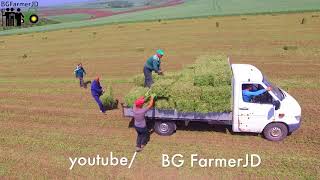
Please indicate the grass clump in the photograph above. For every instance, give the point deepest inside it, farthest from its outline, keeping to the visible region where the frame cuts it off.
(289, 48)
(203, 87)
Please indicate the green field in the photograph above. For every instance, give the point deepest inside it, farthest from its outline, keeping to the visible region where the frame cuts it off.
(70, 17)
(191, 8)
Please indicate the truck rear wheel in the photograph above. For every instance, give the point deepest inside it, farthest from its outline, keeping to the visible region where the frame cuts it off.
(164, 128)
(275, 131)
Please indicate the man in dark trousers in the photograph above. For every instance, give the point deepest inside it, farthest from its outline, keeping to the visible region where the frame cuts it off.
(96, 92)
(152, 64)
(80, 72)
(140, 122)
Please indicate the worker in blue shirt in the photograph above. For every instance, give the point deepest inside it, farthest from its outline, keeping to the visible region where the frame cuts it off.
(152, 64)
(96, 92)
(248, 94)
(80, 72)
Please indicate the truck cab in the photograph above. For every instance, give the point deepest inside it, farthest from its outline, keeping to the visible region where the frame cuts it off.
(274, 113)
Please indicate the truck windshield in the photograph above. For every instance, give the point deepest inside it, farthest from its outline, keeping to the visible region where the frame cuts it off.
(277, 91)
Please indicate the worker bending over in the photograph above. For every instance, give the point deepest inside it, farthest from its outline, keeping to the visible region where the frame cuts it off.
(152, 64)
(96, 92)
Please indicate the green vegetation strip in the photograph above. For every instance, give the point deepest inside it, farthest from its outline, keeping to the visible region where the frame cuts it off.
(70, 17)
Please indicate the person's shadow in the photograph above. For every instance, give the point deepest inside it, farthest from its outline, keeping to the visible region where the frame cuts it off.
(85, 84)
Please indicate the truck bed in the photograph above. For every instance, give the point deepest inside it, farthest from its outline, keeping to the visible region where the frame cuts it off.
(161, 114)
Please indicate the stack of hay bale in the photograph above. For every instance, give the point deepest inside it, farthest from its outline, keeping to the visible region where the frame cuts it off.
(202, 87)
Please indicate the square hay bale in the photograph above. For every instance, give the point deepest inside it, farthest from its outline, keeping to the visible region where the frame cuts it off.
(203, 108)
(107, 99)
(185, 90)
(212, 94)
(134, 94)
(162, 87)
(164, 104)
(212, 71)
(218, 99)
(138, 80)
(185, 95)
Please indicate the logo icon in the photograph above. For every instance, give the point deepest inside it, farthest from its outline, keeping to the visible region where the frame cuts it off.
(11, 18)
(34, 18)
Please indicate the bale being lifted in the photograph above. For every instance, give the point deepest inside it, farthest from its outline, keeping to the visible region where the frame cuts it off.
(202, 87)
(108, 100)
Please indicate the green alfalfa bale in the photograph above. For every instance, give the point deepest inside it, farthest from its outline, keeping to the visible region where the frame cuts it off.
(108, 100)
(134, 94)
(204, 78)
(186, 74)
(139, 79)
(164, 104)
(185, 96)
(185, 105)
(217, 98)
(209, 93)
(186, 90)
(162, 87)
(221, 106)
(212, 71)
(203, 107)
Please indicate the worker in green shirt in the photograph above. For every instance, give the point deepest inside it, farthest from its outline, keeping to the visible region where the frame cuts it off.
(152, 64)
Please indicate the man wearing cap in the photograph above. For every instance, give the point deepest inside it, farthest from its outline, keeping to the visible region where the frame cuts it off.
(140, 122)
(152, 64)
(96, 92)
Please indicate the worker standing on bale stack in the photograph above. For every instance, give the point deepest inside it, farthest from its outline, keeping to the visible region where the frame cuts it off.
(140, 122)
(152, 64)
(96, 92)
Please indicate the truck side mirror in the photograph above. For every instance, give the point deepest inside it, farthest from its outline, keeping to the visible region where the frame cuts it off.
(276, 105)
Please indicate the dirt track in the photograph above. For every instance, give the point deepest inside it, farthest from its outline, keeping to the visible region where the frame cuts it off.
(45, 117)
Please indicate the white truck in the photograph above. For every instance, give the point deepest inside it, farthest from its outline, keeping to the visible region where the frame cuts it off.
(274, 113)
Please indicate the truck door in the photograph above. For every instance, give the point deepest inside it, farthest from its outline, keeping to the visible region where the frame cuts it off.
(255, 111)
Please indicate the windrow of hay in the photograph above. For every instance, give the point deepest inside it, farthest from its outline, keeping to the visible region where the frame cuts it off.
(203, 87)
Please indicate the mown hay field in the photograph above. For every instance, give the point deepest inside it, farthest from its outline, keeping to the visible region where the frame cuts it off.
(45, 118)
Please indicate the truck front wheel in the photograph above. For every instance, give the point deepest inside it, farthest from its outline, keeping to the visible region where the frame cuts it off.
(164, 128)
(275, 131)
